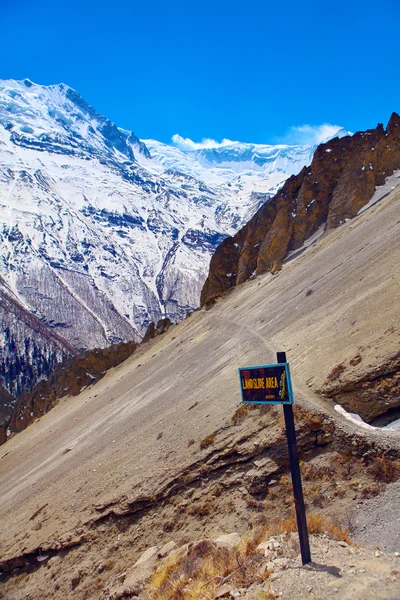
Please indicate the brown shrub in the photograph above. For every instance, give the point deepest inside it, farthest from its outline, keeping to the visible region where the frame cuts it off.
(336, 372)
(240, 414)
(199, 571)
(384, 469)
(208, 441)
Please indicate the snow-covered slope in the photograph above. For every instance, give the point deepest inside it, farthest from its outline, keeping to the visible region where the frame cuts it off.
(100, 233)
(248, 167)
(248, 173)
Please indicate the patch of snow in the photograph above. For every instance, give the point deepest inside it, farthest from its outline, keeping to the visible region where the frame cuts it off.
(357, 420)
(393, 425)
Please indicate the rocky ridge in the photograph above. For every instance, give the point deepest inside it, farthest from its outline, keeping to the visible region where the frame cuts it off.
(339, 182)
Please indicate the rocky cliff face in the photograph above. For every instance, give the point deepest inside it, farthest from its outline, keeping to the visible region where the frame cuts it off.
(340, 181)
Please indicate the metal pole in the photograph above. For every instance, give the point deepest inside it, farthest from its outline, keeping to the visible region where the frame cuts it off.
(296, 477)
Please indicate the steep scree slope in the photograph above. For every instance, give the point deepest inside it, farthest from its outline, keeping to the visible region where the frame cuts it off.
(160, 448)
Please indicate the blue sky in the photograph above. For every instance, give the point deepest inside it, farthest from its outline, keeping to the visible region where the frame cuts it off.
(248, 71)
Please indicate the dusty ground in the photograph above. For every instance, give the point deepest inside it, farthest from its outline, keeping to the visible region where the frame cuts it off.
(94, 474)
(337, 571)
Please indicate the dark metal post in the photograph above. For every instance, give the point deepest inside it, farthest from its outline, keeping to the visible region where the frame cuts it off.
(296, 477)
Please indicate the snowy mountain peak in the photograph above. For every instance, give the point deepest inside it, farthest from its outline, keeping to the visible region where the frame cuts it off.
(57, 119)
(339, 133)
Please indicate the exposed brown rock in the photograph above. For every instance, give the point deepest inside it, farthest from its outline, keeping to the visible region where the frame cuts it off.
(371, 395)
(341, 179)
(154, 330)
(3, 435)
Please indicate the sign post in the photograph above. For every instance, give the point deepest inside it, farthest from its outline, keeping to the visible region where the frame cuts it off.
(271, 384)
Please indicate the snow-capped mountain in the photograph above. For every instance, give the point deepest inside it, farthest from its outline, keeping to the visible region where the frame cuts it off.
(245, 167)
(248, 173)
(100, 233)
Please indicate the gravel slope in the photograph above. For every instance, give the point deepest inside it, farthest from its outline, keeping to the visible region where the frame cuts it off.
(130, 433)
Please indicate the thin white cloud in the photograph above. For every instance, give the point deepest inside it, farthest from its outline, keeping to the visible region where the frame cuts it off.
(187, 144)
(311, 134)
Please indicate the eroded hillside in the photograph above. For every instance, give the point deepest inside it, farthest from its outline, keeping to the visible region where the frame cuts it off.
(161, 449)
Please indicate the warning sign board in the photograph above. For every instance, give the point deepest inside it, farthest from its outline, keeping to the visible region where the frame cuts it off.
(269, 384)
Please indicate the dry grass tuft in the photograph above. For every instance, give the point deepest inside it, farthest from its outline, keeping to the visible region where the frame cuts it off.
(208, 441)
(240, 414)
(316, 524)
(336, 372)
(384, 469)
(200, 571)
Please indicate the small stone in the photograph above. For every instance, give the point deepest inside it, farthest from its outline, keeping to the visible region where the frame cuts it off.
(281, 562)
(275, 576)
(343, 544)
(76, 579)
(397, 554)
(377, 553)
(150, 552)
(166, 549)
(262, 547)
(42, 557)
(273, 545)
(230, 540)
(222, 591)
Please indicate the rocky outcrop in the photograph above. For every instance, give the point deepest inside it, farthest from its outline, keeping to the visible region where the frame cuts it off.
(341, 180)
(154, 330)
(68, 378)
(373, 394)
